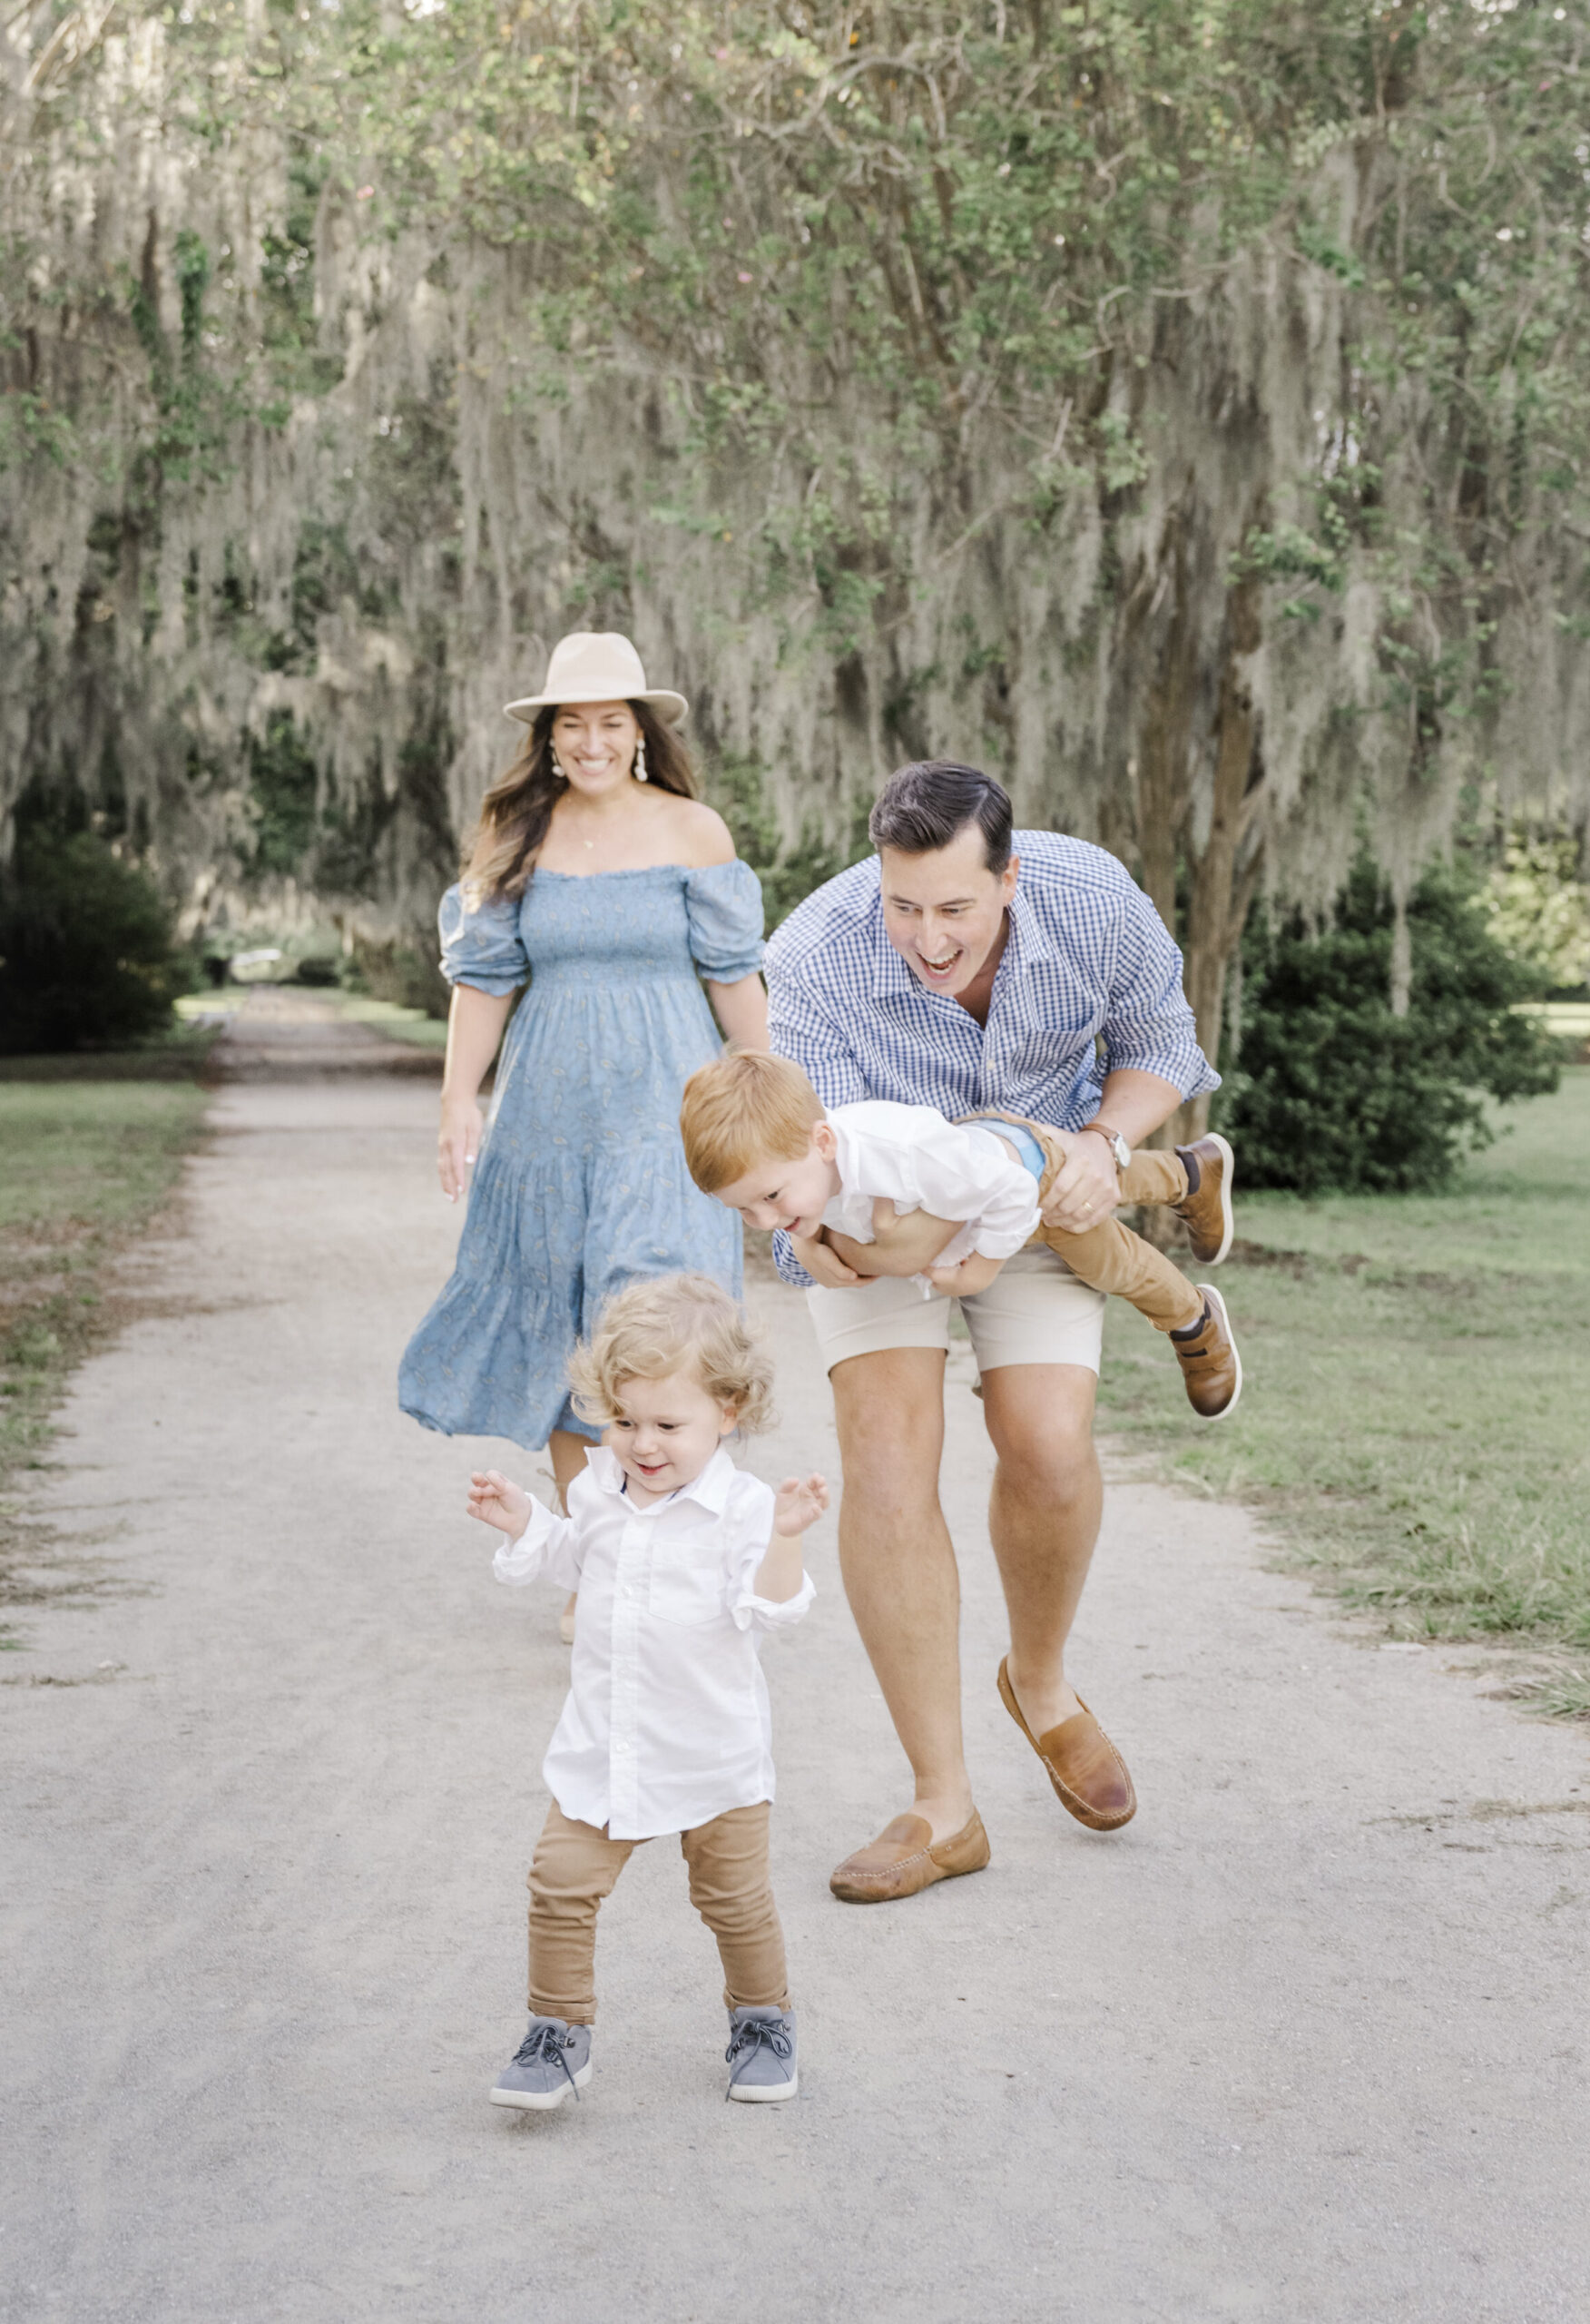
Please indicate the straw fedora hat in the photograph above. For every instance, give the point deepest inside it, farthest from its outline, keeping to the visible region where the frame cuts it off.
(597, 665)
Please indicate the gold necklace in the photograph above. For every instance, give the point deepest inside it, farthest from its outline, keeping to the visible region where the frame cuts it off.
(588, 844)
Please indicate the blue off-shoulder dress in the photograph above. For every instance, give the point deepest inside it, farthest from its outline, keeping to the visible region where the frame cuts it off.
(581, 1184)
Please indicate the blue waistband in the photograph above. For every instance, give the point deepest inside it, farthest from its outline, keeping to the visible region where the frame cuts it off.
(1025, 1143)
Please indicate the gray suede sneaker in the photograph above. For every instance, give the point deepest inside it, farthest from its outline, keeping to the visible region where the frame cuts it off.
(553, 2059)
(761, 2055)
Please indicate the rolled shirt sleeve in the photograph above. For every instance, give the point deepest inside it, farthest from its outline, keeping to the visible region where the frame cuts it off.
(481, 943)
(1149, 1026)
(753, 1613)
(750, 1515)
(801, 1029)
(548, 1549)
(724, 904)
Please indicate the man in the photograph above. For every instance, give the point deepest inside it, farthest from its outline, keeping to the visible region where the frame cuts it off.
(951, 971)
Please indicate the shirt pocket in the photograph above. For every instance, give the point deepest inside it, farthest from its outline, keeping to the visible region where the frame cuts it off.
(688, 1584)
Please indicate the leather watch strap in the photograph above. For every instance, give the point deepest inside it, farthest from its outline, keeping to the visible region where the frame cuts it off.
(1112, 1136)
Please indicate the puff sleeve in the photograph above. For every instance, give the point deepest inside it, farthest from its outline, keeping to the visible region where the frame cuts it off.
(481, 944)
(724, 905)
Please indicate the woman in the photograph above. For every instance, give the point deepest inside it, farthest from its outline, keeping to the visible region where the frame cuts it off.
(596, 877)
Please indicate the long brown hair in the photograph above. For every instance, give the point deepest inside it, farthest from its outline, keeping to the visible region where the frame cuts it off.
(517, 810)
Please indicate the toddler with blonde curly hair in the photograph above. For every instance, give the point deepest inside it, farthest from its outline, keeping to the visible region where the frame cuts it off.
(680, 1559)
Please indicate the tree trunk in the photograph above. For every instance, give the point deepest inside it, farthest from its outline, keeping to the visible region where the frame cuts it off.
(1163, 748)
(1225, 872)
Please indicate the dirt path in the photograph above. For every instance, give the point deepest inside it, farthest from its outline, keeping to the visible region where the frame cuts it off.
(1305, 2041)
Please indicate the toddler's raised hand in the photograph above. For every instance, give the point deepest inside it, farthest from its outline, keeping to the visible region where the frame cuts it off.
(801, 1501)
(496, 1503)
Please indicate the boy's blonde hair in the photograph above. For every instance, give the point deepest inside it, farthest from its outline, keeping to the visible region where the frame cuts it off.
(672, 1323)
(745, 1108)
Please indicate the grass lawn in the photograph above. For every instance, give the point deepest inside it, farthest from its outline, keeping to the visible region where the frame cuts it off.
(1415, 1419)
(83, 1166)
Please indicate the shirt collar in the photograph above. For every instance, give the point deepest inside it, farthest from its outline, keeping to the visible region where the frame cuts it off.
(711, 1489)
(1028, 938)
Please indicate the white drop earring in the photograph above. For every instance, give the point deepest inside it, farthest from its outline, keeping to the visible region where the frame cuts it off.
(640, 775)
(558, 774)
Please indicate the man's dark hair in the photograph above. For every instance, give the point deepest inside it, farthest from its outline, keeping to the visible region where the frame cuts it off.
(923, 806)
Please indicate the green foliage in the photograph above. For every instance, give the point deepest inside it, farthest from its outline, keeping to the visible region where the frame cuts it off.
(283, 789)
(955, 212)
(86, 950)
(912, 269)
(737, 788)
(402, 971)
(1335, 1091)
(31, 429)
(1539, 908)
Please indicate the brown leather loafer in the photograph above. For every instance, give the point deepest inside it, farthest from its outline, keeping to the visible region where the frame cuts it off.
(905, 1857)
(1088, 1773)
(1212, 1370)
(1205, 1209)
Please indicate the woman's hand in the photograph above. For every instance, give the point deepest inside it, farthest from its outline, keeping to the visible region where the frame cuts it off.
(475, 1030)
(800, 1502)
(497, 1503)
(458, 1144)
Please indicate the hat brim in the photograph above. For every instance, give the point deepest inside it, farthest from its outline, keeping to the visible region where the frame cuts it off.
(673, 707)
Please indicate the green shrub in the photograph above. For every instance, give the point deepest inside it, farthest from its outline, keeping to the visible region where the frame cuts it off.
(86, 950)
(319, 968)
(1331, 1090)
(404, 970)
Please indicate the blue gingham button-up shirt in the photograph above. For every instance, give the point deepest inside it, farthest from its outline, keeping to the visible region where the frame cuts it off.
(1090, 982)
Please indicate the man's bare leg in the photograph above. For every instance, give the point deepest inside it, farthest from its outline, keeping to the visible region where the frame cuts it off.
(1042, 1520)
(898, 1565)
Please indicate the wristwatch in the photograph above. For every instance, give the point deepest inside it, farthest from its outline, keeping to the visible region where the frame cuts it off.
(1113, 1140)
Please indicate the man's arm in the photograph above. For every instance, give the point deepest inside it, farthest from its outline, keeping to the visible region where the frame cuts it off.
(1149, 1029)
(1088, 1188)
(1152, 1064)
(801, 1029)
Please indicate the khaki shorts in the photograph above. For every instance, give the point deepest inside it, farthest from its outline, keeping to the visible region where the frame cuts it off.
(1033, 1311)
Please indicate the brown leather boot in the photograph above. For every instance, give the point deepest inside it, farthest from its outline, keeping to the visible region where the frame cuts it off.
(906, 1857)
(1089, 1775)
(1206, 1207)
(1211, 1369)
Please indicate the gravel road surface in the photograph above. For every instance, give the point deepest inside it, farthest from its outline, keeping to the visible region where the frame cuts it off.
(1306, 2041)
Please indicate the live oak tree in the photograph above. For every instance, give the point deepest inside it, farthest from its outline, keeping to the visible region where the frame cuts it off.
(1179, 408)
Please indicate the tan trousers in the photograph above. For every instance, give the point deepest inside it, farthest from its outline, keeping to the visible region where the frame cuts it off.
(1111, 1257)
(576, 1865)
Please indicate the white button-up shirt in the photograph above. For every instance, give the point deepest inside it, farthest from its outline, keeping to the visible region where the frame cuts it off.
(667, 1721)
(919, 1161)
